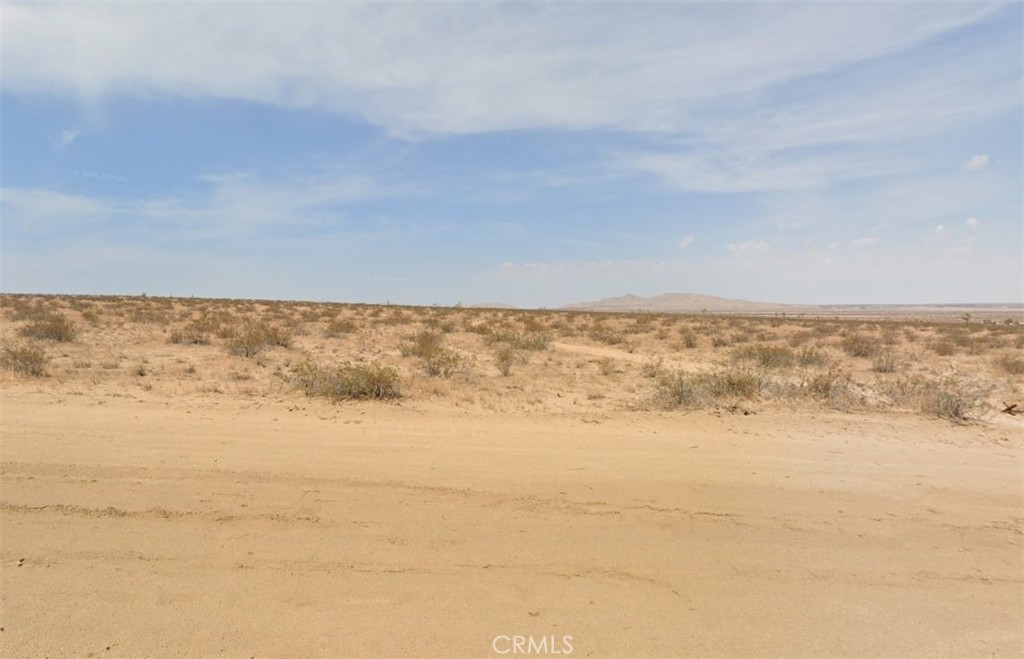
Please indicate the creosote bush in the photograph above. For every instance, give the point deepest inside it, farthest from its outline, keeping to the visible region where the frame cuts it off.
(254, 338)
(886, 361)
(443, 362)
(949, 399)
(52, 327)
(347, 381)
(339, 327)
(681, 390)
(423, 344)
(27, 360)
(769, 356)
(860, 345)
(504, 358)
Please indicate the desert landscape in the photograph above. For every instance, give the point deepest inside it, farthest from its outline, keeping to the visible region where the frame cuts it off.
(193, 477)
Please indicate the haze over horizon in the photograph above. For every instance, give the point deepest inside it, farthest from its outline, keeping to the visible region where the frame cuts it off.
(529, 154)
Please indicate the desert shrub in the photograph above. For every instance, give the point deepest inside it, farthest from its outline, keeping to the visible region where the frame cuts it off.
(339, 327)
(811, 356)
(680, 390)
(606, 335)
(859, 345)
(943, 347)
(948, 399)
(531, 340)
(733, 383)
(832, 385)
(653, 367)
(27, 360)
(606, 365)
(504, 358)
(1010, 364)
(769, 356)
(886, 361)
(423, 344)
(689, 339)
(254, 338)
(443, 362)
(347, 381)
(195, 332)
(52, 327)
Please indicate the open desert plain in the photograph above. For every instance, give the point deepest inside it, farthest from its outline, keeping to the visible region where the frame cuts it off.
(186, 477)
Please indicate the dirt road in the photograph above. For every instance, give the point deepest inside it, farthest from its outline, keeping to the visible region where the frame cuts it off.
(212, 526)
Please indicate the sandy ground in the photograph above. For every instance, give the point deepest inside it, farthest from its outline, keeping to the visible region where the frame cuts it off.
(142, 525)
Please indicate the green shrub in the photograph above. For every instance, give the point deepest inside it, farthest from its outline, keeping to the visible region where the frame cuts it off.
(443, 362)
(254, 338)
(52, 327)
(769, 356)
(680, 390)
(27, 359)
(531, 340)
(347, 381)
(423, 344)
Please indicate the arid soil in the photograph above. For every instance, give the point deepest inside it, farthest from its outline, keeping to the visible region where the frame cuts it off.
(169, 498)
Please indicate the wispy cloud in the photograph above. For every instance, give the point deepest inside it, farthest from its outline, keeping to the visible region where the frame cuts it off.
(793, 137)
(431, 68)
(976, 163)
(749, 247)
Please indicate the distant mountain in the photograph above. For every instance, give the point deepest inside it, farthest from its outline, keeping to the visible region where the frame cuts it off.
(678, 303)
(492, 305)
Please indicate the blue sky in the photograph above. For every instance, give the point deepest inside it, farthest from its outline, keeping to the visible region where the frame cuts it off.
(531, 154)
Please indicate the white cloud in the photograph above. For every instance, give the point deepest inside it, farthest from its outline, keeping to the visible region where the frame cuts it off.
(432, 69)
(67, 136)
(861, 243)
(972, 222)
(941, 232)
(749, 247)
(976, 163)
(687, 241)
(235, 202)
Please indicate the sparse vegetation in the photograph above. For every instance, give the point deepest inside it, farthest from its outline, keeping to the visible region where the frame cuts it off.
(660, 360)
(859, 345)
(504, 358)
(26, 359)
(50, 327)
(443, 362)
(347, 381)
(1011, 364)
(255, 337)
